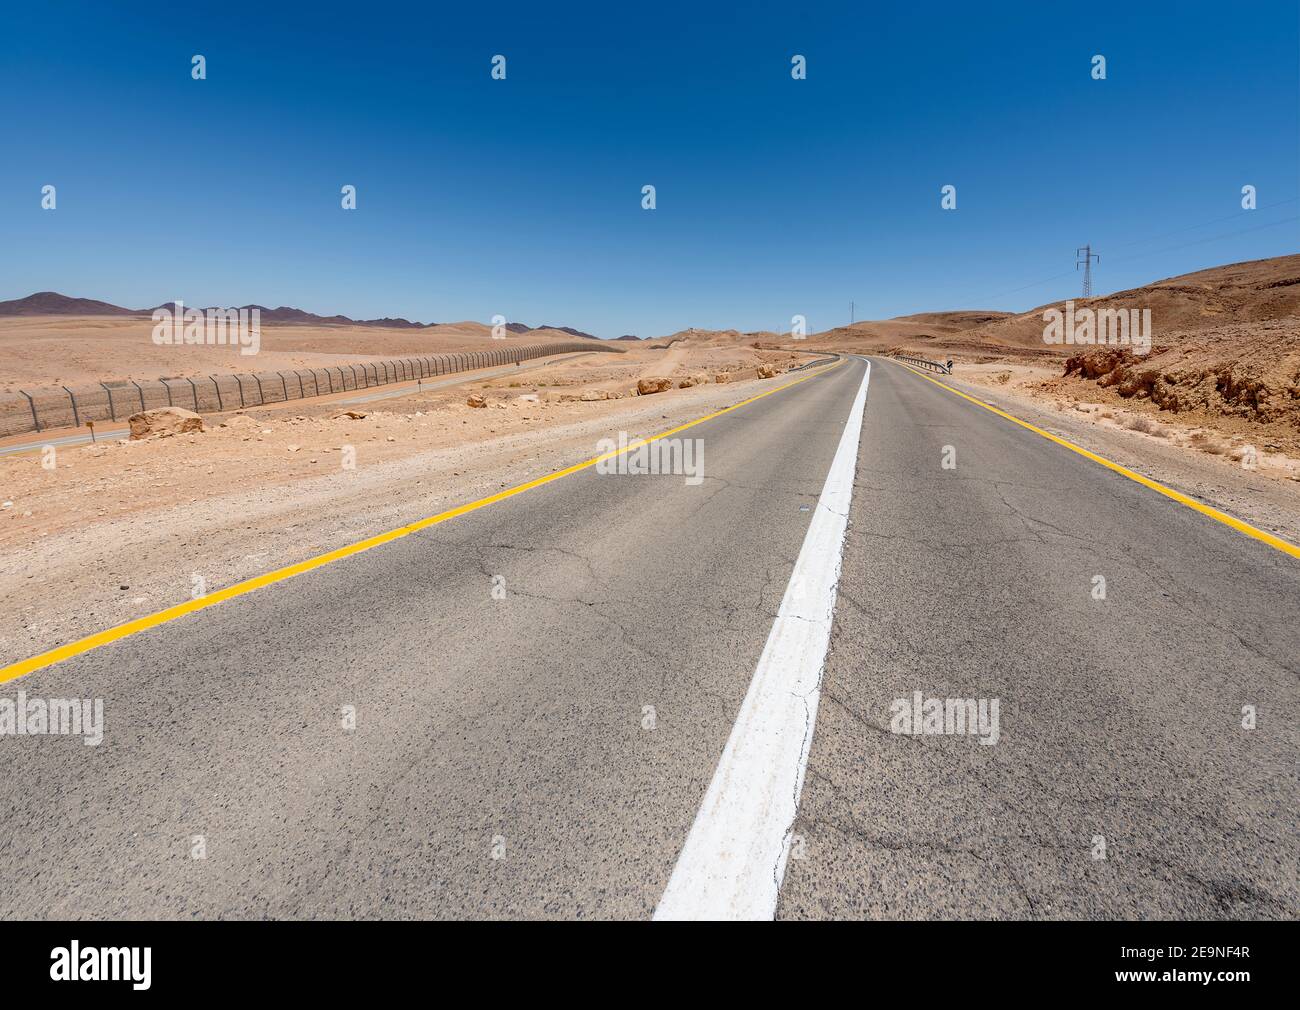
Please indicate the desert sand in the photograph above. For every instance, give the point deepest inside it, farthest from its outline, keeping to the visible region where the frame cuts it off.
(39, 351)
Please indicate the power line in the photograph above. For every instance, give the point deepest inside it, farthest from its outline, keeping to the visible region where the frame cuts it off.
(1210, 238)
(1124, 259)
(1206, 224)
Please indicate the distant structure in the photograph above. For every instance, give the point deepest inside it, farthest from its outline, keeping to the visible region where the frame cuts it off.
(1086, 262)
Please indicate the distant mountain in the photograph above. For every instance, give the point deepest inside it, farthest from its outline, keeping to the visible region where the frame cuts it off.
(628, 336)
(51, 303)
(288, 314)
(570, 331)
(524, 328)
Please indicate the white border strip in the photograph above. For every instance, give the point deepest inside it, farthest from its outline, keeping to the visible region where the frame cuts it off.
(734, 858)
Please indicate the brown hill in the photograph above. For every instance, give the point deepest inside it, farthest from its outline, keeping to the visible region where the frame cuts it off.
(525, 328)
(51, 303)
(1226, 296)
(1250, 292)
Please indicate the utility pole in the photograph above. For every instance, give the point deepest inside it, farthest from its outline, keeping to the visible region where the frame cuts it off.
(1086, 263)
(852, 316)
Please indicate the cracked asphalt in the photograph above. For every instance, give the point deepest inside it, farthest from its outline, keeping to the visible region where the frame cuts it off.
(544, 754)
(1119, 718)
(512, 727)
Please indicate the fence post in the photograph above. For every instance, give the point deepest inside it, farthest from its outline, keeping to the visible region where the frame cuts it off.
(35, 420)
(193, 389)
(261, 396)
(239, 381)
(140, 391)
(112, 411)
(221, 406)
(76, 420)
(284, 386)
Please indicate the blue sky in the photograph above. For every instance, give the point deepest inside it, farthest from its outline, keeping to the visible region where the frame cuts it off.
(523, 197)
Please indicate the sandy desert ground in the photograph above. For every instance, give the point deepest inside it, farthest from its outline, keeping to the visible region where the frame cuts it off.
(39, 351)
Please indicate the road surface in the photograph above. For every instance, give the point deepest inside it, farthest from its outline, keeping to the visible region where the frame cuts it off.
(547, 748)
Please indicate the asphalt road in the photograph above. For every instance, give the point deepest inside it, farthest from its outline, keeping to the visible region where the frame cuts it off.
(545, 754)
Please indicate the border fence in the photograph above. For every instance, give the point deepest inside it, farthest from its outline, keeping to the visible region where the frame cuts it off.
(64, 406)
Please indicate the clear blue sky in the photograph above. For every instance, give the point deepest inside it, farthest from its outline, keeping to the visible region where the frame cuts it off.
(523, 197)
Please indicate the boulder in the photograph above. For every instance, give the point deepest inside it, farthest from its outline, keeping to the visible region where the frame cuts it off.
(477, 400)
(645, 387)
(352, 415)
(722, 377)
(686, 383)
(163, 421)
(767, 370)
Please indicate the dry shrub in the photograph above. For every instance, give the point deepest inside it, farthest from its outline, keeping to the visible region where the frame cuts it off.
(1146, 426)
(1201, 440)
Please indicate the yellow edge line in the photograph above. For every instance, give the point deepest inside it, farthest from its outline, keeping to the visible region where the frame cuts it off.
(82, 645)
(1182, 499)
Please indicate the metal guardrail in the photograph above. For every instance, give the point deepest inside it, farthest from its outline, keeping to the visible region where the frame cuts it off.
(827, 358)
(937, 366)
(41, 409)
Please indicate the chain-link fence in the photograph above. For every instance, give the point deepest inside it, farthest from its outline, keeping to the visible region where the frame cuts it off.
(42, 409)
